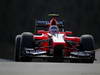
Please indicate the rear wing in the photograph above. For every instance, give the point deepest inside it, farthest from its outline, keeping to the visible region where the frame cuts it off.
(53, 20)
(46, 23)
(41, 23)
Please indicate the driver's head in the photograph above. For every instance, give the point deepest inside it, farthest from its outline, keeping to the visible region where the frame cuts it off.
(53, 29)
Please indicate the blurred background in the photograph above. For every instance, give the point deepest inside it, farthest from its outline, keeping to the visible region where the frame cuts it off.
(17, 16)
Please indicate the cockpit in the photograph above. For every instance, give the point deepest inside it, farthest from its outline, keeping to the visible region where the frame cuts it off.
(53, 29)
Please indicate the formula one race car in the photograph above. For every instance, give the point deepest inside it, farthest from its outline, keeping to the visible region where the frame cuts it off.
(51, 42)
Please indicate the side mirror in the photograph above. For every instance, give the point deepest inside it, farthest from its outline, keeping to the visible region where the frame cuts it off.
(68, 32)
(41, 31)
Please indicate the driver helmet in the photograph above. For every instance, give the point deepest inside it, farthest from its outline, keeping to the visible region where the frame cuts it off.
(53, 29)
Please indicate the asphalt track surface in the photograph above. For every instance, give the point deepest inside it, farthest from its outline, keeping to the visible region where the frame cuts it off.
(8, 67)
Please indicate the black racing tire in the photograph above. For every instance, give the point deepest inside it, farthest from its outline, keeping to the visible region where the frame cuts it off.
(26, 42)
(58, 53)
(87, 43)
(17, 48)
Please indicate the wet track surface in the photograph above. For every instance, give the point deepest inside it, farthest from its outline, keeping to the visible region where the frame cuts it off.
(9, 67)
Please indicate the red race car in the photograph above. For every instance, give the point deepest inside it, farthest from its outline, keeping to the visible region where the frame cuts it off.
(51, 42)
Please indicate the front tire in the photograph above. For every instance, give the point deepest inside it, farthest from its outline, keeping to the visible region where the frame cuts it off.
(26, 42)
(17, 47)
(87, 44)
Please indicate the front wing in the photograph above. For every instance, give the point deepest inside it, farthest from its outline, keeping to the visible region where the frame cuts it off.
(39, 54)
